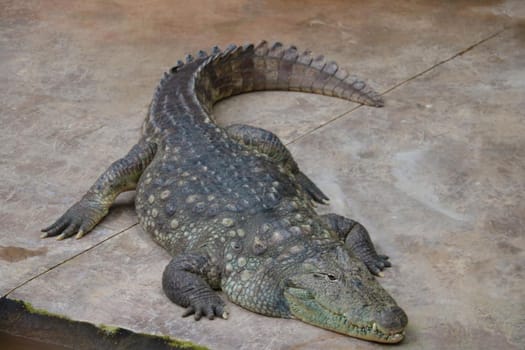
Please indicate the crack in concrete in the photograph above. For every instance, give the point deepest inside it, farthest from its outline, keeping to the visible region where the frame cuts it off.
(69, 259)
(460, 53)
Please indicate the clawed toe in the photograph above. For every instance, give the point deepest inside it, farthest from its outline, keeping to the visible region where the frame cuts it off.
(208, 311)
(377, 264)
(77, 220)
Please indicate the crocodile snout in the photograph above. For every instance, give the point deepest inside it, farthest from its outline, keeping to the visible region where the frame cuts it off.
(392, 319)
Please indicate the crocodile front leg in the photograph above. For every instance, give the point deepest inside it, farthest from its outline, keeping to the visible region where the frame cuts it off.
(268, 143)
(184, 283)
(358, 241)
(121, 176)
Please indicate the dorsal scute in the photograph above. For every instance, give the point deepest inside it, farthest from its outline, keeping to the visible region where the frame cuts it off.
(305, 58)
(318, 62)
(291, 54)
(202, 54)
(158, 89)
(248, 47)
(216, 74)
(330, 68)
(189, 58)
(215, 50)
(262, 48)
(277, 50)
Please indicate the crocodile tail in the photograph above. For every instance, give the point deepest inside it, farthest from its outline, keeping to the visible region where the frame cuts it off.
(196, 84)
(248, 68)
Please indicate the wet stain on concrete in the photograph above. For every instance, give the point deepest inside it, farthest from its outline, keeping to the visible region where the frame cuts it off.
(15, 254)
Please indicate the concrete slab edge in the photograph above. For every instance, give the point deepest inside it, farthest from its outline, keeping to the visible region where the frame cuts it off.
(19, 318)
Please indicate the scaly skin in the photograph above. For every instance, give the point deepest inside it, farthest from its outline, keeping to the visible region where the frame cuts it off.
(233, 208)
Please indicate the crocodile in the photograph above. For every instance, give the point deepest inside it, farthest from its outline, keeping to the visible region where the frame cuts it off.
(232, 207)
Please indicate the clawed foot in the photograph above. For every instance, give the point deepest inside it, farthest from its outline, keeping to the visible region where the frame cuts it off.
(377, 263)
(359, 243)
(210, 307)
(79, 220)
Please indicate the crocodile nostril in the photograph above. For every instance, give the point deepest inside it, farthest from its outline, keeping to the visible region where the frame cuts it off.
(392, 319)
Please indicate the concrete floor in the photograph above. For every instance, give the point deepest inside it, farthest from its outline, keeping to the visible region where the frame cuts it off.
(438, 175)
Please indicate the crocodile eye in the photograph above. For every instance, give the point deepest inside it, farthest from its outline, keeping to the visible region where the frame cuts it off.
(327, 276)
(331, 277)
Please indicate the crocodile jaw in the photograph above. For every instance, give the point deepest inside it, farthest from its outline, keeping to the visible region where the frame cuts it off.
(334, 290)
(303, 306)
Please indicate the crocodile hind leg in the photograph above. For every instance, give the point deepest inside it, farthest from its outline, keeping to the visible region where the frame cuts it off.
(121, 176)
(268, 143)
(184, 283)
(357, 240)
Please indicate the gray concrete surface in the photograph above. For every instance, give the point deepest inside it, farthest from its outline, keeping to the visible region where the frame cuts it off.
(438, 175)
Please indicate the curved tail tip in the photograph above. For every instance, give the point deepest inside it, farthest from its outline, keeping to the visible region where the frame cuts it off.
(379, 103)
(376, 101)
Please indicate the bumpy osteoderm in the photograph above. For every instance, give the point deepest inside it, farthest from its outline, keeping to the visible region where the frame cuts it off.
(232, 206)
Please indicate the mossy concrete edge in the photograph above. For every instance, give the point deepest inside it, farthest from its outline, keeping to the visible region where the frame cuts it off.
(20, 318)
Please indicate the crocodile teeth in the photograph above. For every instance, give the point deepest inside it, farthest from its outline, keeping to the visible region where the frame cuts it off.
(397, 336)
(374, 327)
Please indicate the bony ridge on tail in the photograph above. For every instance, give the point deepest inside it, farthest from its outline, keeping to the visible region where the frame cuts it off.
(232, 206)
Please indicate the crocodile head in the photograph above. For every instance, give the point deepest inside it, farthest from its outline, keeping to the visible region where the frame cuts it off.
(335, 290)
